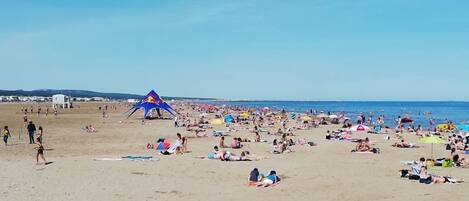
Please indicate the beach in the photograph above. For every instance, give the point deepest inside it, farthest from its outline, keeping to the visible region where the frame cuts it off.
(328, 171)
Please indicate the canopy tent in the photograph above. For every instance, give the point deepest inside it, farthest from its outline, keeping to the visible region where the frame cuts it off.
(151, 101)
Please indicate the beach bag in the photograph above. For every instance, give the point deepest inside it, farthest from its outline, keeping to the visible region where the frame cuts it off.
(430, 163)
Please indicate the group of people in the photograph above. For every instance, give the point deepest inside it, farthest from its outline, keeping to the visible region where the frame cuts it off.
(25, 110)
(365, 146)
(34, 133)
(263, 180)
(419, 172)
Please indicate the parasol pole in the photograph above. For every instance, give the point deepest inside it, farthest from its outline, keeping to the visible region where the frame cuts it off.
(432, 151)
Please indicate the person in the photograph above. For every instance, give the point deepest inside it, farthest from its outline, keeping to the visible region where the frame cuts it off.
(417, 169)
(31, 129)
(176, 122)
(425, 178)
(221, 142)
(235, 143)
(254, 176)
(6, 134)
(39, 134)
(258, 137)
(269, 180)
(40, 152)
(362, 146)
(183, 140)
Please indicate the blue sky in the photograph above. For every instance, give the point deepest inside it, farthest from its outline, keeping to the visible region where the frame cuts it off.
(256, 49)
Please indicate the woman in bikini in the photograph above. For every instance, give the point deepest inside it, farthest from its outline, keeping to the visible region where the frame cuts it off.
(40, 152)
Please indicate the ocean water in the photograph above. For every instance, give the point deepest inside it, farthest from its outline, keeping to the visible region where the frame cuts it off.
(420, 112)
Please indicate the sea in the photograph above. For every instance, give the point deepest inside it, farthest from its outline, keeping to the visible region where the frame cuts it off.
(420, 112)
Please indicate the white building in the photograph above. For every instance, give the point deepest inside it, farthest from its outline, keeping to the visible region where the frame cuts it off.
(60, 100)
(132, 100)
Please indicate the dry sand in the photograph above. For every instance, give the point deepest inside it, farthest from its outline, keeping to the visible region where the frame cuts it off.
(325, 172)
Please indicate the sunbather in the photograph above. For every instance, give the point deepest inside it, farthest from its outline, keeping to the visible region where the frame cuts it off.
(271, 179)
(404, 144)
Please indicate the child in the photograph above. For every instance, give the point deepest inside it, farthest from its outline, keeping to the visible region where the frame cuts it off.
(6, 134)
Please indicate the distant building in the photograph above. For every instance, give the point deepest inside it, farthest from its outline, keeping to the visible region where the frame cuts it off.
(99, 99)
(132, 100)
(60, 100)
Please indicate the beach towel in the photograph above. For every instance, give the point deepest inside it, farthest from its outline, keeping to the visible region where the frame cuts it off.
(172, 148)
(129, 158)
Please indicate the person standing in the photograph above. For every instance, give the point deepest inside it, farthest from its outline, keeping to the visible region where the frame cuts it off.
(31, 129)
(39, 134)
(6, 134)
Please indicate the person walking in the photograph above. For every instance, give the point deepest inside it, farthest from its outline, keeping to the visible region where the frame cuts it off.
(40, 153)
(39, 135)
(6, 134)
(31, 130)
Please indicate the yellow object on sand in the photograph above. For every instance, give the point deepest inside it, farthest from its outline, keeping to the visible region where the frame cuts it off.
(244, 115)
(306, 118)
(445, 127)
(216, 121)
(432, 140)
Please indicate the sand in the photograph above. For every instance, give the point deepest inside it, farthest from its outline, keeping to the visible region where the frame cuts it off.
(324, 172)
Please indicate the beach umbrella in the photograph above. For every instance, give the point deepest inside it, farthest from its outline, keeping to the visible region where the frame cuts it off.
(244, 115)
(343, 119)
(322, 115)
(360, 128)
(216, 121)
(432, 140)
(333, 116)
(306, 118)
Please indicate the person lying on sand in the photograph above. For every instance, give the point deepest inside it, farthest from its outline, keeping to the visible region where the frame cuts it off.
(426, 178)
(404, 144)
(269, 180)
(215, 154)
